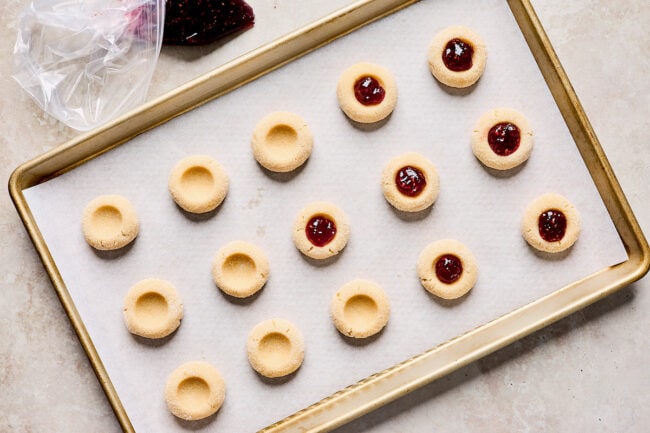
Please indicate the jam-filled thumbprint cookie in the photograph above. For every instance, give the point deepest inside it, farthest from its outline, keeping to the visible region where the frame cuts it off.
(502, 139)
(447, 269)
(551, 223)
(410, 182)
(367, 93)
(457, 56)
(321, 230)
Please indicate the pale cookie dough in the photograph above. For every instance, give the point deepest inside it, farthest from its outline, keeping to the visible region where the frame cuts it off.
(332, 213)
(530, 223)
(282, 141)
(198, 184)
(194, 391)
(354, 109)
(240, 269)
(152, 308)
(484, 152)
(275, 348)
(458, 79)
(426, 268)
(109, 222)
(360, 309)
(425, 197)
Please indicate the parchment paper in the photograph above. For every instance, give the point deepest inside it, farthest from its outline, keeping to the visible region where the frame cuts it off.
(476, 207)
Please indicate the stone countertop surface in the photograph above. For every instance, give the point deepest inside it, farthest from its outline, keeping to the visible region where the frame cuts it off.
(586, 373)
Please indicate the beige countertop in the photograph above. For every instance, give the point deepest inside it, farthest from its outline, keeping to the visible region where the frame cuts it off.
(586, 373)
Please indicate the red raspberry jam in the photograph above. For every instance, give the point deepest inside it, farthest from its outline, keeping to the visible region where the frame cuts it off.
(504, 138)
(320, 230)
(368, 91)
(457, 55)
(198, 22)
(410, 181)
(552, 225)
(449, 268)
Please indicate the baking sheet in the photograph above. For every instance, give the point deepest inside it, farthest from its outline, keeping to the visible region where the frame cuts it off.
(474, 206)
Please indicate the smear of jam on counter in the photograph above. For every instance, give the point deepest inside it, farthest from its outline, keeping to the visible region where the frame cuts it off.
(320, 230)
(198, 22)
(449, 268)
(552, 225)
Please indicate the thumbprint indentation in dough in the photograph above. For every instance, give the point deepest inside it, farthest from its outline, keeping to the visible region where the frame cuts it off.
(151, 308)
(282, 136)
(193, 392)
(360, 311)
(238, 268)
(197, 181)
(107, 221)
(275, 349)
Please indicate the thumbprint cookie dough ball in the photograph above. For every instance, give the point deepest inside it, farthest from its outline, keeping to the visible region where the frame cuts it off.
(551, 223)
(410, 182)
(198, 184)
(275, 348)
(367, 93)
(457, 56)
(195, 390)
(240, 269)
(360, 309)
(109, 222)
(321, 230)
(152, 308)
(502, 139)
(282, 141)
(447, 269)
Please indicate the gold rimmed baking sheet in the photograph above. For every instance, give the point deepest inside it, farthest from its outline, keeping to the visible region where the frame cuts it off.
(153, 155)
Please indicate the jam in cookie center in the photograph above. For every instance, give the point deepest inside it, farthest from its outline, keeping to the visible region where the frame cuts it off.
(552, 225)
(368, 91)
(410, 181)
(320, 230)
(457, 55)
(504, 138)
(449, 268)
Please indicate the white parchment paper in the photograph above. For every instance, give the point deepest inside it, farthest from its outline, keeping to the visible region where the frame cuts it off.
(476, 207)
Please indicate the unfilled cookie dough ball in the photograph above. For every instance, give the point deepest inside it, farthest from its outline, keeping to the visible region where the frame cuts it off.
(457, 56)
(109, 222)
(360, 309)
(152, 308)
(198, 184)
(282, 141)
(410, 182)
(321, 230)
(240, 269)
(194, 391)
(367, 93)
(551, 223)
(447, 269)
(502, 139)
(275, 348)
